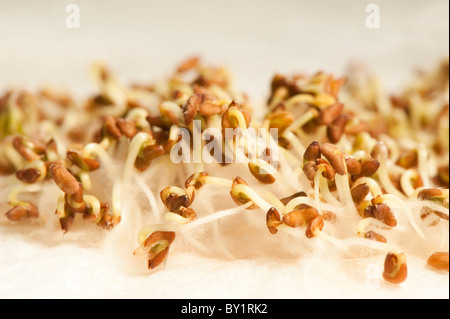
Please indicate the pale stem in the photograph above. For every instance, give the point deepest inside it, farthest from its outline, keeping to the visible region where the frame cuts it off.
(148, 193)
(375, 189)
(21, 188)
(298, 201)
(302, 120)
(94, 149)
(405, 181)
(386, 180)
(253, 196)
(95, 205)
(423, 165)
(343, 188)
(149, 229)
(298, 146)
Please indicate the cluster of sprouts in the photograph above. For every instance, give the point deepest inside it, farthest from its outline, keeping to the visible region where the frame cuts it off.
(337, 160)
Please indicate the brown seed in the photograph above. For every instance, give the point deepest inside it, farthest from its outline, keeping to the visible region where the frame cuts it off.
(174, 202)
(28, 175)
(360, 192)
(110, 128)
(439, 261)
(209, 108)
(312, 152)
(353, 165)
(335, 157)
(395, 268)
(310, 169)
(25, 148)
(408, 159)
(6, 168)
(430, 194)
(314, 227)
(333, 86)
(369, 167)
(127, 127)
(188, 64)
(302, 215)
(260, 174)
(190, 108)
(330, 113)
(382, 212)
(280, 120)
(443, 174)
(147, 154)
(273, 220)
(337, 128)
(64, 179)
(22, 211)
(375, 236)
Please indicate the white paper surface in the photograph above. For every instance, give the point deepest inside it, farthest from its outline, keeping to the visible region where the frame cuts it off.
(142, 41)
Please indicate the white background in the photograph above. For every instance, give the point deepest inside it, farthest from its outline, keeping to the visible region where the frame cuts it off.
(142, 40)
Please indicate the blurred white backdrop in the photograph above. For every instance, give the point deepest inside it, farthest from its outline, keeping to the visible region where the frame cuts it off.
(255, 38)
(143, 40)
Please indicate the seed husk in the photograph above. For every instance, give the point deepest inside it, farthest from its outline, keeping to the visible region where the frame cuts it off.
(314, 227)
(273, 220)
(395, 268)
(369, 167)
(329, 172)
(300, 216)
(197, 180)
(154, 242)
